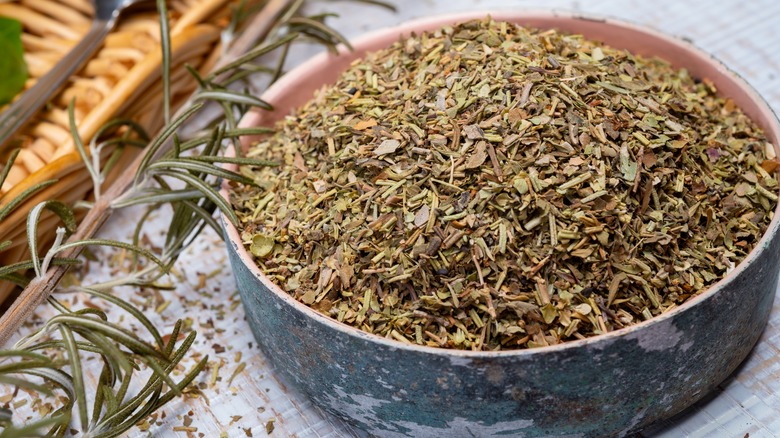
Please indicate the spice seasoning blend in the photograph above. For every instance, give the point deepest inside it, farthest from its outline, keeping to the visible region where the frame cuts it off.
(488, 186)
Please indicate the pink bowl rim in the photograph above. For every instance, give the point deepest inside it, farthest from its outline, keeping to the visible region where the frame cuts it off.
(320, 60)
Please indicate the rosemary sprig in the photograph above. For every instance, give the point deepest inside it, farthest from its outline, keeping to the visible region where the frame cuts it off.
(71, 337)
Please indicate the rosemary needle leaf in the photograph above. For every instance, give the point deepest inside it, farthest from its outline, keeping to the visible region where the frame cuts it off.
(156, 144)
(279, 67)
(23, 384)
(27, 193)
(119, 334)
(56, 376)
(382, 4)
(17, 279)
(116, 360)
(205, 215)
(257, 130)
(83, 346)
(14, 367)
(25, 265)
(165, 43)
(8, 165)
(116, 244)
(230, 117)
(181, 237)
(162, 374)
(210, 192)
(113, 159)
(237, 160)
(215, 141)
(61, 210)
(195, 74)
(153, 388)
(234, 97)
(319, 30)
(33, 429)
(185, 381)
(23, 354)
(252, 54)
(194, 143)
(132, 125)
(168, 348)
(89, 311)
(129, 308)
(77, 375)
(103, 394)
(159, 196)
(110, 401)
(74, 132)
(120, 394)
(195, 166)
(246, 71)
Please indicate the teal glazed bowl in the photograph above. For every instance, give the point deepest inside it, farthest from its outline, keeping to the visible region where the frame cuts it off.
(609, 385)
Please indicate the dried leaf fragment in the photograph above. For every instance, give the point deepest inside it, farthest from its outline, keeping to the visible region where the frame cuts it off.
(262, 246)
(387, 147)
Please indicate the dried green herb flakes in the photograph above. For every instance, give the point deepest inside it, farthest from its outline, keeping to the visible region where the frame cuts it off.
(487, 186)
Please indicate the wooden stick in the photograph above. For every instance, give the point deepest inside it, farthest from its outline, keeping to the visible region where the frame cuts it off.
(39, 289)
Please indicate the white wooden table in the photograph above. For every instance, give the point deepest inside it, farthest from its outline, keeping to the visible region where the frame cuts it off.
(742, 34)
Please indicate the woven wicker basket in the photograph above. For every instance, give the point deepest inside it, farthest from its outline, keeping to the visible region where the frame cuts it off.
(121, 79)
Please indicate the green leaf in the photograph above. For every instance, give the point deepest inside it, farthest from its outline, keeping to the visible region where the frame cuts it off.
(117, 333)
(206, 216)
(13, 69)
(165, 43)
(29, 192)
(58, 208)
(17, 279)
(22, 354)
(127, 127)
(210, 192)
(75, 369)
(387, 5)
(252, 54)
(24, 384)
(83, 346)
(116, 244)
(8, 165)
(628, 167)
(318, 30)
(165, 133)
(23, 266)
(56, 376)
(33, 428)
(236, 160)
(204, 168)
(159, 196)
(234, 97)
(131, 310)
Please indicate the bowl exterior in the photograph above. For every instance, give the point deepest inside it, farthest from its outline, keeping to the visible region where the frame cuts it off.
(610, 385)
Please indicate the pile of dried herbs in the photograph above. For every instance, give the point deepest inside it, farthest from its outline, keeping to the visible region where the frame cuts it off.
(487, 186)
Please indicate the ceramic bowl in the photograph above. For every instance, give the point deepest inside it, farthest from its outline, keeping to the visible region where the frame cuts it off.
(612, 384)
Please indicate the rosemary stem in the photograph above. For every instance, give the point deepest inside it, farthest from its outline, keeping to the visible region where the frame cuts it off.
(40, 289)
(52, 251)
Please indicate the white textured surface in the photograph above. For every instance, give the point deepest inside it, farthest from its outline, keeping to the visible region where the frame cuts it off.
(742, 34)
